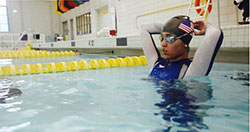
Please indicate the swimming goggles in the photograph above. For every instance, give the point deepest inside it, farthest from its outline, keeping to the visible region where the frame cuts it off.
(172, 38)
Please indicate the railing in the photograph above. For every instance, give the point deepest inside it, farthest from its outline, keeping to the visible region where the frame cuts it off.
(161, 10)
(18, 41)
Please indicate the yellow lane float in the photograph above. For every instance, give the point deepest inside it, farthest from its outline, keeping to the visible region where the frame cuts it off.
(52, 67)
(33, 54)
(112, 62)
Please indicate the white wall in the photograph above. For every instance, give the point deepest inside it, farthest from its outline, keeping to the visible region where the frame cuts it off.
(37, 15)
(40, 16)
(129, 10)
(93, 6)
(234, 37)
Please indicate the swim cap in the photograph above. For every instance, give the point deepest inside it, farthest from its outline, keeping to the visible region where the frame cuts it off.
(179, 25)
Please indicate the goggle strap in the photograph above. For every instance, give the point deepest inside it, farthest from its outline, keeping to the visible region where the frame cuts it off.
(184, 35)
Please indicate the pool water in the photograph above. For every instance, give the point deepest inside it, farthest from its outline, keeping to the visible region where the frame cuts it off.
(126, 100)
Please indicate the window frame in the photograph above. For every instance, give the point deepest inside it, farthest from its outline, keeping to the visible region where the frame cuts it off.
(83, 24)
(65, 27)
(7, 17)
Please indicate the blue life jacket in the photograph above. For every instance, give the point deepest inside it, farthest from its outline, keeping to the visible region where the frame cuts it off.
(165, 70)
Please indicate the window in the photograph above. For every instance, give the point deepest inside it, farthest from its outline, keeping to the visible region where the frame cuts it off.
(4, 24)
(65, 28)
(83, 24)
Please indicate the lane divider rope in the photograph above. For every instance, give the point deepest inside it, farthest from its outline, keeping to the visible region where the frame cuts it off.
(33, 54)
(52, 67)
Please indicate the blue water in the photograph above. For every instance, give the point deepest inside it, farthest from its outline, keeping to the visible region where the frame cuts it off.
(125, 100)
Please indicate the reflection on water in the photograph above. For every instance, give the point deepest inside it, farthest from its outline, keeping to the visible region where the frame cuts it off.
(240, 75)
(182, 107)
(7, 90)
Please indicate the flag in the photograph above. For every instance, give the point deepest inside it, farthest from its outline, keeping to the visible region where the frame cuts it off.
(186, 26)
(62, 6)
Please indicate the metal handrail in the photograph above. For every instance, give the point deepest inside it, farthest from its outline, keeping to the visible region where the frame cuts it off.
(153, 12)
(15, 39)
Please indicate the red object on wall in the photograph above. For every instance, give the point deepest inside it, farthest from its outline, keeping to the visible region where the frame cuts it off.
(112, 32)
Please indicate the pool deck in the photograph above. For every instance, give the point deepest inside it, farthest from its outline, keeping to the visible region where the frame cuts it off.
(225, 55)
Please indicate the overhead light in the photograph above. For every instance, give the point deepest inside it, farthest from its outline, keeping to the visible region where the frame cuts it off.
(14, 11)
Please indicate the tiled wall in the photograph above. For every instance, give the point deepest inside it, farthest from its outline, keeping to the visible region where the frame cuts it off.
(129, 10)
(234, 37)
(131, 14)
(130, 17)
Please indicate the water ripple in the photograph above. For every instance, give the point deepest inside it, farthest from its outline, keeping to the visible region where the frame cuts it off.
(16, 127)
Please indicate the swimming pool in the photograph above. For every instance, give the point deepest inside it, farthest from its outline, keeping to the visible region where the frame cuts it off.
(125, 100)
